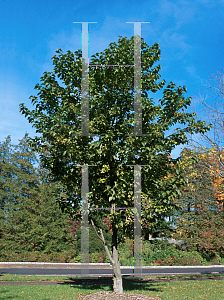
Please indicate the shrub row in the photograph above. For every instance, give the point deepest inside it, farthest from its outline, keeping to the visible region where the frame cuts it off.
(157, 253)
(36, 256)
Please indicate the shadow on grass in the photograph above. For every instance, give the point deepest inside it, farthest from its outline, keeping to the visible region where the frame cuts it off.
(107, 284)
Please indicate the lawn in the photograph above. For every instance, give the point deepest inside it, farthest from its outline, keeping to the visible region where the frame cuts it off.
(73, 288)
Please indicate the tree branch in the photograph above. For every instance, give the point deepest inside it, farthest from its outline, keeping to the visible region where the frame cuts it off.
(103, 240)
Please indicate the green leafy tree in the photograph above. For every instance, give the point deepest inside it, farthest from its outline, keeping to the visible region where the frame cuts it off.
(31, 219)
(57, 118)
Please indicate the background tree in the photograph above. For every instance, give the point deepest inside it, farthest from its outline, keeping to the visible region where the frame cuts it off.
(200, 218)
(31, 219)
(212, 101)
(57, 118)
(215, 167)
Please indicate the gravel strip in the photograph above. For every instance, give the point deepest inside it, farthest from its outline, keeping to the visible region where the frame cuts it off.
(114, 296)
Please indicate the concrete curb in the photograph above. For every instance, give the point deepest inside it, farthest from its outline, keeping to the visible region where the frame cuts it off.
(174, 267)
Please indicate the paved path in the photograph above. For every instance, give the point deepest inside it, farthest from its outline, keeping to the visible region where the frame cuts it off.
(101, 269)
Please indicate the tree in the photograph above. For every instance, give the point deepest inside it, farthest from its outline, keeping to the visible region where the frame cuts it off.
(212, 100)
(200, 218)
(57, 118)
(31, 219)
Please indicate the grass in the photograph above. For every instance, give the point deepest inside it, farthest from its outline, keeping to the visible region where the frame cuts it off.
(188, 289)
(12, 277)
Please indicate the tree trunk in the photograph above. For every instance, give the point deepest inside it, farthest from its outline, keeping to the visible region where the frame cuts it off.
(117, 279)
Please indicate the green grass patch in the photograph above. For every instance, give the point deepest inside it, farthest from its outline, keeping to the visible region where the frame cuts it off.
(41, 292)
(12, 277)
(208, 290)
(189, 289)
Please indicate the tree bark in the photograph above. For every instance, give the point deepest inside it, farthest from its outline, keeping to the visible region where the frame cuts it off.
(117, 278)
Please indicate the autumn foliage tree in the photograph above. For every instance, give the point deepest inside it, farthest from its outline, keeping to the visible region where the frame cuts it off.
(200, 218)
(217, 175)
(211, 100)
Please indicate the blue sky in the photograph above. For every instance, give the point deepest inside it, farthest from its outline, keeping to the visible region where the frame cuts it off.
(190, 34)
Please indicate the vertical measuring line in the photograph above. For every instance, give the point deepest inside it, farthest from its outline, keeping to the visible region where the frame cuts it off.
(137, 222)
(85, 132)
(85, 79)
(85, 222)
(137, 78)
(137, 132)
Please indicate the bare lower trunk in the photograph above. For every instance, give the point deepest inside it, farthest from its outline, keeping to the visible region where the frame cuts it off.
(117, 278)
